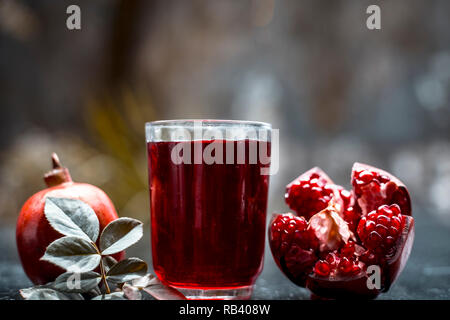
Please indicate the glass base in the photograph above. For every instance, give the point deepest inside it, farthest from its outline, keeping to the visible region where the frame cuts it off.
(239, 293)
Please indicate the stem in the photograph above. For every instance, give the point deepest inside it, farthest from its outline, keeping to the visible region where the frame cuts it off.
(102, 270)
(55, 161)
(58, 175)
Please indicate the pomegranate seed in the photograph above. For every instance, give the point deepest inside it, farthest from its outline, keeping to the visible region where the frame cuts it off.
(361, 225)
(346, 196)
(396, 222)
(355, 269)
(291, 228)
(331, 259)
(372, 215)
(285, 236)
(374, 240)
(386, 210)
(322, 268)
(395, 209)
(370, 226)
(366, 176)
(393, 232)
(382, 230)
(389, 241)
(345, 266)
(384, 220)
(368, 257)
(348, 250)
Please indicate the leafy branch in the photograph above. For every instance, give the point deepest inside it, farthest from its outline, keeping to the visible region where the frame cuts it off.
(85, 254)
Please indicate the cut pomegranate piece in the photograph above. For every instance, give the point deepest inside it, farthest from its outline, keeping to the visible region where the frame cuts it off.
(380, 228)
(374, 187)
(294, 246)
(350, 231)
(312, 191)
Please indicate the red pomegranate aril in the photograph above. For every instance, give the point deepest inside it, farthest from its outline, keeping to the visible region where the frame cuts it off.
(291, 227)
(355, 269)
(395, 209)
(346, 196)
(361, 225)
(365, 177)
(345, 265)
(386, 210)
(368, 257)
(393, 232)
(374, 240)
(384, 220)
(370, 226)
(348, 250)
(331, 259)
(372, 215)
(322, 268)
(389, 241)
(382, 230)
(285, 236)
(396, 222)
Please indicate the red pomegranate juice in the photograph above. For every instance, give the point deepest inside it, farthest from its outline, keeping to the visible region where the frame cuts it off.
(207, 220)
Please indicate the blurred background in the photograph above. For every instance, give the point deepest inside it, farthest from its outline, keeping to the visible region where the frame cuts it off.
(338, 92)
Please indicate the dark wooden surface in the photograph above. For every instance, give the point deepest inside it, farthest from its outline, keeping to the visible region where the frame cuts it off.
(426, 276)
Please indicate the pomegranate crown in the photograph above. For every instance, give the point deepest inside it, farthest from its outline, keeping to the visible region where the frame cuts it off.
(58, 175)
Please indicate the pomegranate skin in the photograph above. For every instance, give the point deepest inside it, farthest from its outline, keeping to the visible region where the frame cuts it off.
(34, 233)
(346, 288)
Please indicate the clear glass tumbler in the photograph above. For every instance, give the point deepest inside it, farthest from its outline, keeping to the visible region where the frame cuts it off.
(209, 182)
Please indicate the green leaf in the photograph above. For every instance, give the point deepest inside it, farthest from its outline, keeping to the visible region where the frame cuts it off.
(76, 282)
(44, 293)
(72, 217)
(119, 235)
(154, 287)
(111, 296)
(127, 270)
(108, 262)
(72, 254)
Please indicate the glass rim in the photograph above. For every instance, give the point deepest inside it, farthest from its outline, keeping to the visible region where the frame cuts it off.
(214, 122)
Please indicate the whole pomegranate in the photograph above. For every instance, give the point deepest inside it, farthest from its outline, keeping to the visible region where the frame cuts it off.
(337, 235)
(34, 233)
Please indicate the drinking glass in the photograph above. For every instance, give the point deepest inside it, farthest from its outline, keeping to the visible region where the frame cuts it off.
(208, 182)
